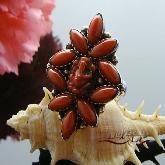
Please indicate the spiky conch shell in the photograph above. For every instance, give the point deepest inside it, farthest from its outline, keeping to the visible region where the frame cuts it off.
(112, 142)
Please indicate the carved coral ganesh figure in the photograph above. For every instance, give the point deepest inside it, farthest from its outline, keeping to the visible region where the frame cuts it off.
(84, 76)
(80, 76)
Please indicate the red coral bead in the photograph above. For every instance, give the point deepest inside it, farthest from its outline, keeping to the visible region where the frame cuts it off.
(109, 72)
(105, 47)
(87, 113)
(57, 79)
(68, 124)
(95, 29)
(104, 94)
(79, 41)
(60, 102)
(62, 58)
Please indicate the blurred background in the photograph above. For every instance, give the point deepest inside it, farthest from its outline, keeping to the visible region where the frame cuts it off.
(139, 27)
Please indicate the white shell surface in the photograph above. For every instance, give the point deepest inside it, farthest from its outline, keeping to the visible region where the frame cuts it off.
(112, 142)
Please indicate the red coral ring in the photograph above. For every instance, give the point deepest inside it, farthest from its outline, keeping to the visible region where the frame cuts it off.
(84, 76)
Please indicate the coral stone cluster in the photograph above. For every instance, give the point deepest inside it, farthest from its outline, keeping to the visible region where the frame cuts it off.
(84, 76)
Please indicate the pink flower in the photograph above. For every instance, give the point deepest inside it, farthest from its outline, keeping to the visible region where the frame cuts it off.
(22, 23)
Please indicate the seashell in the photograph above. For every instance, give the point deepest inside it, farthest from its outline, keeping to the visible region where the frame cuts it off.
(112, 142)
